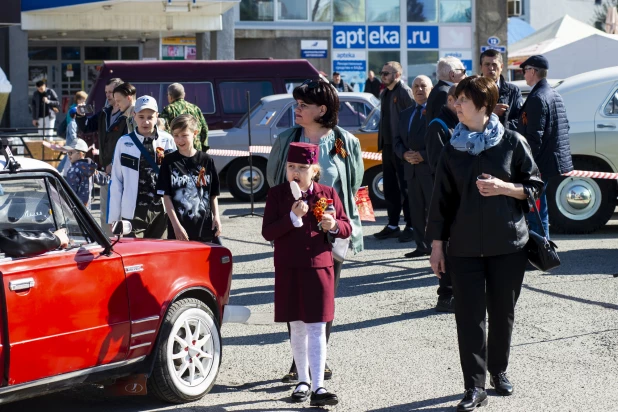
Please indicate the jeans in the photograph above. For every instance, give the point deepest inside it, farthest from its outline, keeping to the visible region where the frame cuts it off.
(533, 222)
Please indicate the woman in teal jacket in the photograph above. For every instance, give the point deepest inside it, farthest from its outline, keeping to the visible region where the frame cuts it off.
(316, 116)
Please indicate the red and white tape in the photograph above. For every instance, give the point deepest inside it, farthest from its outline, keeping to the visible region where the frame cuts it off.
(594, 175)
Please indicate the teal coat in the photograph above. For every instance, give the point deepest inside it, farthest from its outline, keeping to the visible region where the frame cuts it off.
(350, 170)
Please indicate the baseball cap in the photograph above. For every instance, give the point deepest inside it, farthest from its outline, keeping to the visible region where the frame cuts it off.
(73, 110)
(539, 61)
(78, 144)
(146, 102)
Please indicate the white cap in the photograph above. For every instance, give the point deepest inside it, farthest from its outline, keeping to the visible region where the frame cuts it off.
(78, 144)
(146, 102)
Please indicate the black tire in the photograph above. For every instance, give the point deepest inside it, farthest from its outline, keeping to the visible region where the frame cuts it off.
(568, 220)
(371, 179)
(234, 179)
(164, 382)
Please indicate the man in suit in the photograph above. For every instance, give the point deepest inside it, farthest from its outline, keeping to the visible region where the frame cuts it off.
(450, 70)
(543, 122)
(509, 100)
(409, 146)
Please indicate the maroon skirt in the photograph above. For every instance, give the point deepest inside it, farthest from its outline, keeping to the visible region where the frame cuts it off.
(307, 295)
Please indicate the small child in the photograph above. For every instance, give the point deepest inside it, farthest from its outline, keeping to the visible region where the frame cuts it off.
(81, 171)
(189, 185)
(135, 170)
(304, 275)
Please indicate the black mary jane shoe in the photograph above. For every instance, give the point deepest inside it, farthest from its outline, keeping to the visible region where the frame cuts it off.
(323, 399)
(473, 398)
(501, 384)
(301, 396)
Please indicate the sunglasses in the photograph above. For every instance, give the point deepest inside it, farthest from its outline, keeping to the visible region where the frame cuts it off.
(385, 73)
(459, 70)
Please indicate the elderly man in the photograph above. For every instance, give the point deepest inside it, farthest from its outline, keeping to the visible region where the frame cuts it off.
(543, 122)
(409, 146)
(177, 106)
(510, 100)
(449, 70)
(394, 99)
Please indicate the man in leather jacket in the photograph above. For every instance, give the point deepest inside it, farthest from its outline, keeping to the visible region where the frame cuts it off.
(509, 100)
(14, 243)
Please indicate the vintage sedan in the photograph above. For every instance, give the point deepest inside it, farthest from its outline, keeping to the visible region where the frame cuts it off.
(271, 116)
(103, 309)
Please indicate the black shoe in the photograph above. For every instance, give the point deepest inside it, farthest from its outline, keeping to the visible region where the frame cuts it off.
(473, 398)
(418, 253)
(446, 305)
(301, 396)
(328, 373)
(387, 232)
(406, 235)
(501, 383)
(323, 399)
(291, 376)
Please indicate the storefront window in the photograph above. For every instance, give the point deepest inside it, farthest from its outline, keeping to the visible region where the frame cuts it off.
(70, 53)
(129, 53)
(256, 10)
(455, 11)
(101, 53)
(422, 62)
(321, 10)
(377, 59)
(292, 10)
(383, 11)
(43, 53)
(422, 10)
(233, 95)
(75, 68)
(349, 10)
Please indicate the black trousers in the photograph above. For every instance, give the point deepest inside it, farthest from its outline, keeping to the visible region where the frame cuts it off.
(329, 325)
(395, 192)
(420, 188)
(489, 284)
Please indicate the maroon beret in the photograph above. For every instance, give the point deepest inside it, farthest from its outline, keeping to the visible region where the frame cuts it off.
(303, 153)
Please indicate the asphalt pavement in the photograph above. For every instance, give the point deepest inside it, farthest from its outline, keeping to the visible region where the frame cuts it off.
(390, 351)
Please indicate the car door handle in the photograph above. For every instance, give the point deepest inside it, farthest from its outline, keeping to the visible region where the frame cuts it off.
(606, 126)
(21, 284)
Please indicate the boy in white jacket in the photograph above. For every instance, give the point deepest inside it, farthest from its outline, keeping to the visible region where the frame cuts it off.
(135, 169)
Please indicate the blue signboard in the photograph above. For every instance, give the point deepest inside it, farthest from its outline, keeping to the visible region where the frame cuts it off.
(383, 37)
(423, 37)
(493, 41)
(501, 49)
(349, 66)
(349, 37)
(30, 5)
(468, 65)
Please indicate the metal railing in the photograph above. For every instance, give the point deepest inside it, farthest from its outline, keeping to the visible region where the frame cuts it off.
(17, 139)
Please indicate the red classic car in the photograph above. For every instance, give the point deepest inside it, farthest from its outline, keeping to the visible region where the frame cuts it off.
(100, 309)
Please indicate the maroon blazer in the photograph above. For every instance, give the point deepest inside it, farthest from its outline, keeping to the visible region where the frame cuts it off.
(305, 246)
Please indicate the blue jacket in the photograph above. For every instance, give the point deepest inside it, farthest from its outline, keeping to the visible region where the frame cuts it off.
(543, 122)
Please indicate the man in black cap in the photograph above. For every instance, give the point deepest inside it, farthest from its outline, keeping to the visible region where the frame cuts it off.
(543, 122)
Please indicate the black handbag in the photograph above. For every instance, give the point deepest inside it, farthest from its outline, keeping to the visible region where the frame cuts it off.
(541, 252)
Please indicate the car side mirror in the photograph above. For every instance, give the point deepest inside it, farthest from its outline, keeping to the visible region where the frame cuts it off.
(121, 228)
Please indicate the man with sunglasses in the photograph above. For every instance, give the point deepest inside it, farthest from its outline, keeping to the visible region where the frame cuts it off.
(395, 98)
(449, 71)
(543, 122)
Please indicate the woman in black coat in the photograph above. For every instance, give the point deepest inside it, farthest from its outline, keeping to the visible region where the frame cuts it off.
(478, 206)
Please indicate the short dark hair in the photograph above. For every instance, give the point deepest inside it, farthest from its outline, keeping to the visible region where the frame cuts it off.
(482, 91)
(125, 89)
(321, 93)
(491, 53)
(115, 80)
(336, 74)
(41, 83)
(184, 121)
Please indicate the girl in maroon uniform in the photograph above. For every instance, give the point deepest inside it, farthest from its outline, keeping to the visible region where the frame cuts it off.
(304, 276)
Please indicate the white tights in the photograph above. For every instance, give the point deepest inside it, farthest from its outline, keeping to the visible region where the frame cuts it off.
(309, 349)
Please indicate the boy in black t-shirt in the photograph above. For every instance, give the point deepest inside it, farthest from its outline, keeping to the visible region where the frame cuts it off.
(189, 184)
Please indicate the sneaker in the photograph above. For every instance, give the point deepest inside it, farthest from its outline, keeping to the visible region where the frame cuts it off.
(406, 235)
(387, 232)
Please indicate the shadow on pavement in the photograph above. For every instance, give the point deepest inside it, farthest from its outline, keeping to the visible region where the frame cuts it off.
(425, 405)
(575, 262)
(573, 298)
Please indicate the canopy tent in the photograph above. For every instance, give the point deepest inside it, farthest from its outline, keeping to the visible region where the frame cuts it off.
(518, 29)
(561, 41)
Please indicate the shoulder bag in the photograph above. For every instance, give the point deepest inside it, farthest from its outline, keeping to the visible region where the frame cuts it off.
(541, 252)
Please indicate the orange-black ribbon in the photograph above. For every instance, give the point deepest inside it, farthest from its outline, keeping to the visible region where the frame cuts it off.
(338, 149)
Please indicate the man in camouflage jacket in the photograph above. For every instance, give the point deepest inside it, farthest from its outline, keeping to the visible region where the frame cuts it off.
(177, 106)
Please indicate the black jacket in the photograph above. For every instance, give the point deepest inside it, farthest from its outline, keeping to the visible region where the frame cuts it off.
(411, 137)
(373, 86)
(477, 226)
(398, 99)
(342, 86)
(543, 122)
(436, 137)
(108, 133)
(511, 95)
(37, 102)
(437, 98)
(25, 243)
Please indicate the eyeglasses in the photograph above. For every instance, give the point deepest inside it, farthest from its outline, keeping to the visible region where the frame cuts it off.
(385, 73)
(459, 70)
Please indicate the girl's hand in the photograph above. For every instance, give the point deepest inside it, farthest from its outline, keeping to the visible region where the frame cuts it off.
(300, 208)
(180, 232)
(328, 222)
(491, 186)
(216, 225)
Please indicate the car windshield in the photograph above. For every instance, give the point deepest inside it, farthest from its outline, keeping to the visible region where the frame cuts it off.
(373, 120)
(254, 110)
(374, 101)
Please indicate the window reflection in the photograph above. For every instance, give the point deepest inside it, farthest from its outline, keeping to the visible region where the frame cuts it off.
(321, 10)
(292, 10)
(422, 10)
(455, 11)
(256, 10)
(383, 11)
(422, 62)
(349, 10)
